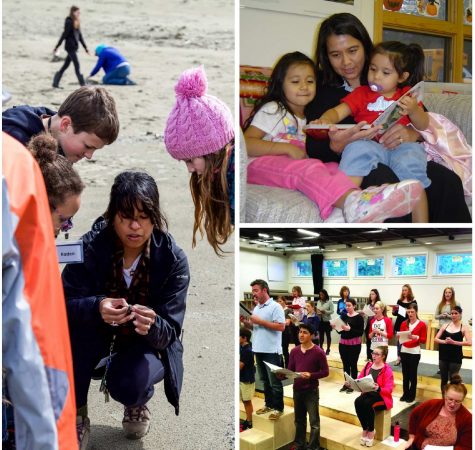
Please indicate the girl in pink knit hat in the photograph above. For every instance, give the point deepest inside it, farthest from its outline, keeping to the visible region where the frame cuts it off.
(200, 131)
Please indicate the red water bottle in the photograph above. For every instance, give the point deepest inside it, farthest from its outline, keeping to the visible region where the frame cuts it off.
(397, 430)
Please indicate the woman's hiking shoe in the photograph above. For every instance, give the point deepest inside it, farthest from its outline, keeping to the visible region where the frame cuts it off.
(136, 422)
(378, 203)
(83, 430)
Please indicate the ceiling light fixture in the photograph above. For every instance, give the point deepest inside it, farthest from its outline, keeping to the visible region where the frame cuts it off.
(263, 235)
(310, 233)
(277, 238)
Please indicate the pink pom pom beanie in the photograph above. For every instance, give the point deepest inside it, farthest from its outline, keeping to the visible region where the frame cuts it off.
(199, 124)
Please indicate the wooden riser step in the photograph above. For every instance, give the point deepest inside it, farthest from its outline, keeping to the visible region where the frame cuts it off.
(334, 436)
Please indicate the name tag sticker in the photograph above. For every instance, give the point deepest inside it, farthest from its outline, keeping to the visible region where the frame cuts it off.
(70, 252)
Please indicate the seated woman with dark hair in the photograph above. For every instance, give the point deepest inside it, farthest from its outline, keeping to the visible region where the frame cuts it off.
(442, 422)
(126, 305)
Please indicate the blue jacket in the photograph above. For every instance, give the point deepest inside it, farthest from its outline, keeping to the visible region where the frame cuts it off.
(109, 59)
(24, 122)
(84, 287)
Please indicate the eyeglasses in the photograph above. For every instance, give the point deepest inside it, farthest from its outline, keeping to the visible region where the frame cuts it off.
(377, 354)
(66, 223)
(452, 400)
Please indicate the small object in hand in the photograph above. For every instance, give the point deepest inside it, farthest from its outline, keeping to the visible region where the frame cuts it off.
(114, 323)
(129, 309)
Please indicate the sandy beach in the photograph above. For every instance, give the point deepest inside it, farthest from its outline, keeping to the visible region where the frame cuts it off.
(160, 39)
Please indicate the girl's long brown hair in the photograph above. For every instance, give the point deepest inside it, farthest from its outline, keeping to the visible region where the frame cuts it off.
(209, 192)
(410, 295)
(76, 22)
(453, 303)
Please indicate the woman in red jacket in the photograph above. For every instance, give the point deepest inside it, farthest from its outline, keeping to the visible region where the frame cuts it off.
(411, 352)
(379, 399)
(442, 422)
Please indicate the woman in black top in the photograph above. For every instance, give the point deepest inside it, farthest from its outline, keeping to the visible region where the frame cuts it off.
(72, 36)
(350, 341)
(343, 66)
(451, 340)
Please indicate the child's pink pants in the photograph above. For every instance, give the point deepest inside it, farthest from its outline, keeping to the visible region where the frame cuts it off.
(321, 182)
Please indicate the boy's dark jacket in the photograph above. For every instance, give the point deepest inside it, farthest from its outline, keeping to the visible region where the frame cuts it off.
(84, 288)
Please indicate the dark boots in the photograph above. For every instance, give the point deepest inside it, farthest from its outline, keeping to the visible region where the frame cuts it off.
(56, 79)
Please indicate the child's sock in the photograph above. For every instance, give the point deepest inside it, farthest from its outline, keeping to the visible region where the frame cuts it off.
(376, 204)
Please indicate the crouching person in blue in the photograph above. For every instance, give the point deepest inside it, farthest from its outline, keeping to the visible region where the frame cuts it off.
(126, 304)
(116, 67)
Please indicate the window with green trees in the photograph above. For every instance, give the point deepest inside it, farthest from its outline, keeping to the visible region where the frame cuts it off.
(370, 267)
(409, 266)
(335, 268)
(454, 264)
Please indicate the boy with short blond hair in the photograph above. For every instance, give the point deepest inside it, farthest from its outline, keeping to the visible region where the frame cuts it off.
(85, 122)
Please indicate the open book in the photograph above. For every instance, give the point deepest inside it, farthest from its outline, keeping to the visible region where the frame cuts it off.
(365, 384)
(392, 114)
(283, 371)
(387, 119)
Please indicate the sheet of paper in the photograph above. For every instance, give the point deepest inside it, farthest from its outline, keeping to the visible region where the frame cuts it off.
(389, 441)
(368, 311)
(404, 336)
(244, 311)
(438, 447)
(402, 311)
(338, 323)
(282, 371)
(294, 319)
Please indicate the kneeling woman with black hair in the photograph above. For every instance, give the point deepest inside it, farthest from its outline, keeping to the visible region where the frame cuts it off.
(126, 305)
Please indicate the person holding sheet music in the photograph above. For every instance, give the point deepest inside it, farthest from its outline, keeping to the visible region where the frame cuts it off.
(310, 361)
(267, 322)
(411, 351)
(406, 298)
(379, 399)
(372, 299)
(381, 326)
(350, 341)
(325, 310)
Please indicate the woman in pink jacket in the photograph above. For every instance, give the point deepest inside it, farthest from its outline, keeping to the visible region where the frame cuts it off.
(379, 399)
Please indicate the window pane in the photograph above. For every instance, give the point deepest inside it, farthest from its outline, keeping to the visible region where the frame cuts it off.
(370, 267)
(303, 269)
(467, 61)
(335, 268)
(414, 265)
(467, 8)
(436, 51)
(426, 8)
(454, 264)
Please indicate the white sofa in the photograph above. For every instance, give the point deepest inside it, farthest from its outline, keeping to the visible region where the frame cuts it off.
(261, 204)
